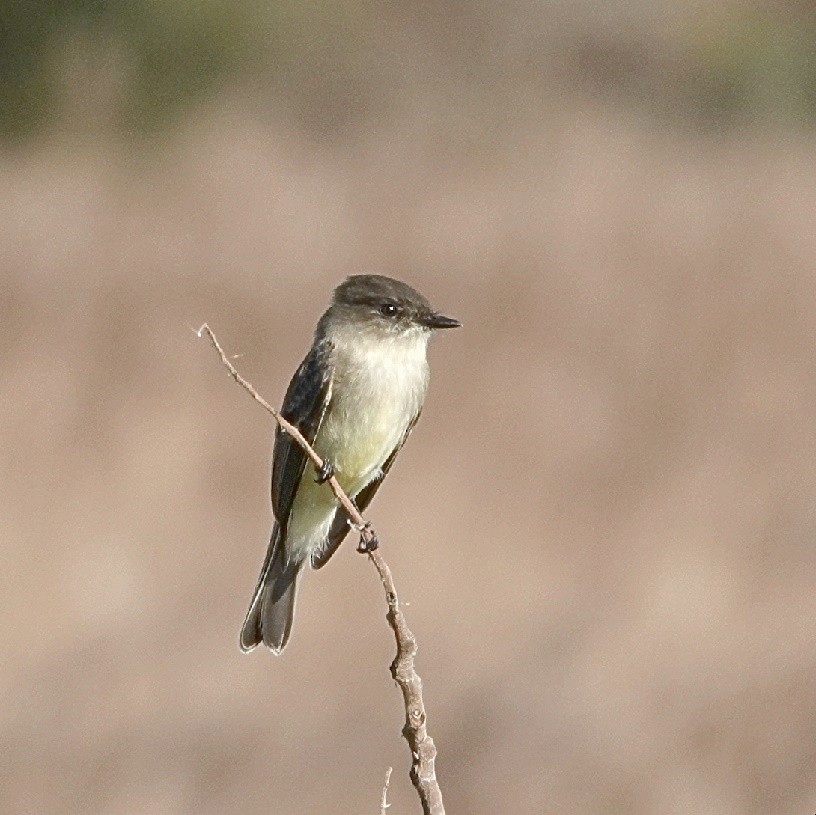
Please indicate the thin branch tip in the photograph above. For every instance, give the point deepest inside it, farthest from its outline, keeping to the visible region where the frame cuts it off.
(384, 801)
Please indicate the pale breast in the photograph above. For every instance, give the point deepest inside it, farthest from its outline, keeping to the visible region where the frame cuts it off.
(377, 389)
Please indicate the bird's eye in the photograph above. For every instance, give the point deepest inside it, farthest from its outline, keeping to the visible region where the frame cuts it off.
(389, 310)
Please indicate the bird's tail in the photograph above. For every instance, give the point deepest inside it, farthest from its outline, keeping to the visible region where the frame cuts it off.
(269, 619)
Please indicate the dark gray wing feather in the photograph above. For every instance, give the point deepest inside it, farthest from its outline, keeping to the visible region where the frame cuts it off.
(269, 618)
(340, 525)
(304, 405)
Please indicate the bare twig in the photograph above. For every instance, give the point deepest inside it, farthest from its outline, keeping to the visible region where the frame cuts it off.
(366, 532)
(384, 802)
(423, 750)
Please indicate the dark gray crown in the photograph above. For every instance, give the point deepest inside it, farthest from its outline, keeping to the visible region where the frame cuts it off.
(376, 289)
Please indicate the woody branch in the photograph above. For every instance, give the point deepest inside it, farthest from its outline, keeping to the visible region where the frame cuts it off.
(423, 749)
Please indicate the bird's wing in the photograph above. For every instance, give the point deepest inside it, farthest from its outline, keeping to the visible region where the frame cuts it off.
(304, 405)
(340, 525)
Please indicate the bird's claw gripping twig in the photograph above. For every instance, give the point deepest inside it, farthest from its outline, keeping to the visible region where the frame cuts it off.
(324, 472)
(368, 540)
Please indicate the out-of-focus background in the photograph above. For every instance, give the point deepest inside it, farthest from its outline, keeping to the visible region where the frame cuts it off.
(605, 523)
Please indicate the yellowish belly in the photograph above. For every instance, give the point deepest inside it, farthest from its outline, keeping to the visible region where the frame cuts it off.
(357, 449)
(374, 398)
(359, 442)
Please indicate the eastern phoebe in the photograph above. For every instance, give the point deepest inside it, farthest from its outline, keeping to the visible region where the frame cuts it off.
(355, 397)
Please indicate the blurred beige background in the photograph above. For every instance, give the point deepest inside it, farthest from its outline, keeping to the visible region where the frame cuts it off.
(604, 523)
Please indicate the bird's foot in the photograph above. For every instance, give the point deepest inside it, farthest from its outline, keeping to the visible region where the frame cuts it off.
(324, 472)
(368, 540)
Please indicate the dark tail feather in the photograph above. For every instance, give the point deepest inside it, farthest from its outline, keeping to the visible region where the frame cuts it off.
(269, 619)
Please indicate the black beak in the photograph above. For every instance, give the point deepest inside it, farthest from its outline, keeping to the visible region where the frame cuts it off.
(435, 321)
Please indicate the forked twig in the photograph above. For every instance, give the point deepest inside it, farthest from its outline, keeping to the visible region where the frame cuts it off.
(423, 749)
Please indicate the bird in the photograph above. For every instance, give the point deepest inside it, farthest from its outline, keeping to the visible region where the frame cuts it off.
(355, 398)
